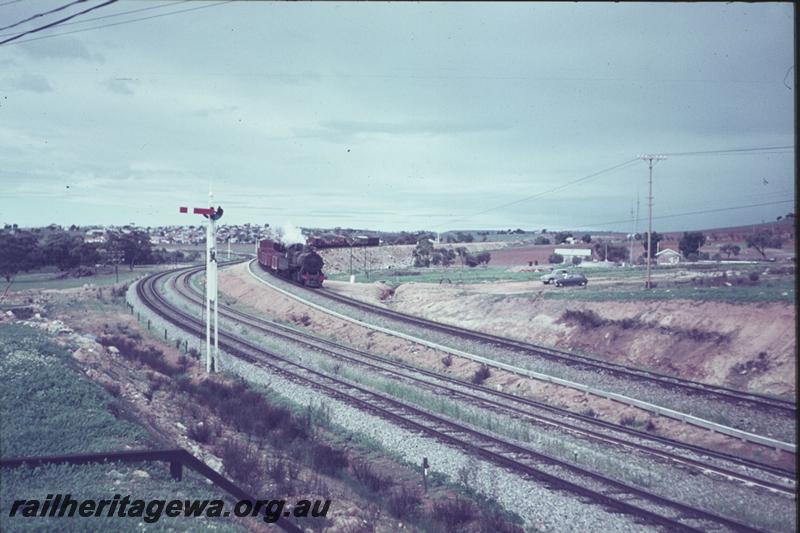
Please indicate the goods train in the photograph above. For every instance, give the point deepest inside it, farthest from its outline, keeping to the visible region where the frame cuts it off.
(339, 241)
(297, 262)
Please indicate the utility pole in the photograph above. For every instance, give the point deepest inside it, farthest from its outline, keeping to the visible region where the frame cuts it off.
(635, 228)
(116, 259)
(650, 158)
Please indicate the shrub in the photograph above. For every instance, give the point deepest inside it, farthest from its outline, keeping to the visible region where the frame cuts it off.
(556, 259)
(447, 360)
(588, 318)
(481, 374)
(327, 460)
(200, 432)
(404, 504)
(239, 460)
(363, 472)
(753, 276)
(148, 355)
(454, 512)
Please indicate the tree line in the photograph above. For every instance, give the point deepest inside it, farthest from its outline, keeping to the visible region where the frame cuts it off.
(25, 250)
(425, 255)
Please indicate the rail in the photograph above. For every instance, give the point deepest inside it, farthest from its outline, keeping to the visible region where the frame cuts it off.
(653, 408)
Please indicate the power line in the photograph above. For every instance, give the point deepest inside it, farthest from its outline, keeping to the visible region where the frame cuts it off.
(731, 151)
(10, 2)
(123, 22)
(57, 22)
(42, 14)
(85, 21)
(688, 213)
(537, 195)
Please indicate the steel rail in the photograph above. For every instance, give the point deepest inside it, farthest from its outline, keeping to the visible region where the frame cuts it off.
(371, 401)
(621, 398)
(571, 357)
(182, 284)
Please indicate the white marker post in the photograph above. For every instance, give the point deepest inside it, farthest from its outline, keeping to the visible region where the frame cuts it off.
(212, 361)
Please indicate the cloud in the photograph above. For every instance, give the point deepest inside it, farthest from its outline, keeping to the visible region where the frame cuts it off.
(30, 82)
(218, 110)
(341, 130)
(63, 48)
(120, 85)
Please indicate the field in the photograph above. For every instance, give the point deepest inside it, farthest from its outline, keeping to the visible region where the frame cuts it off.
(50, 278)
(49, 407)
(607, 284)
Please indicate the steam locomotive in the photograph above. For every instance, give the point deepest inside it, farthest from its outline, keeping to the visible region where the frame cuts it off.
(297, 262)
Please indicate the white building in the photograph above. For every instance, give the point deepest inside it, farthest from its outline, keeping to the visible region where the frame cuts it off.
(585, 254)
(668, 256)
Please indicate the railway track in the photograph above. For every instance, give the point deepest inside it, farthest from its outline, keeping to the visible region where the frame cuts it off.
(703, 396)
(744, 398)
(516, 405)
(554, 474)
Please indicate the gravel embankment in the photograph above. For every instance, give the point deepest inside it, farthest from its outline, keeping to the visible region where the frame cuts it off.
(741, 417)
(541, 508)
(775, 513)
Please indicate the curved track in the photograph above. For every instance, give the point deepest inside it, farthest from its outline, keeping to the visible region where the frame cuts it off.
(744, 398)
(516, 405)
(686, 405)
(644, 506)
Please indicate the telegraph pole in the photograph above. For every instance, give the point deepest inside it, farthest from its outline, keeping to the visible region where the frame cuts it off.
(650, 158)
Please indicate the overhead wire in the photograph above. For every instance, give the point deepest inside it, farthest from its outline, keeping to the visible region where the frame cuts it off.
(540, 194)
(57, 22)
(757, 150)
(121, 13)
(205, 6)
(10, 2)
(687, 213)
(42, 14)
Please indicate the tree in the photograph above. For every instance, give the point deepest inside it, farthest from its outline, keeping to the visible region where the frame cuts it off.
(18, 253)
(729, 249)
(561, 237)
(761, 240)
(655, 239)
(541, 240)
(556, 259)
(691, 242)
(576, 260)
(135, 246)
(63, 249)
(484, 258)
(586, 238)
(616, 252)
(422, 253)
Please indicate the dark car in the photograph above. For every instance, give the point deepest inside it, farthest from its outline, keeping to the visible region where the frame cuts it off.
(571, 278)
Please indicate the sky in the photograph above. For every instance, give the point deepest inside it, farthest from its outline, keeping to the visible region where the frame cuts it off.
(398, 116)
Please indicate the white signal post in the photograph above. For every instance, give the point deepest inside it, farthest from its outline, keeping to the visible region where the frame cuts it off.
(212, 215)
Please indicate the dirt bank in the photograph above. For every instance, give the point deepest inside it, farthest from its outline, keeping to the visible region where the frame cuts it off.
(746, 346)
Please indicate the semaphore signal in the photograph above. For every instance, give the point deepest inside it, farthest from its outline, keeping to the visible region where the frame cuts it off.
(212, 215)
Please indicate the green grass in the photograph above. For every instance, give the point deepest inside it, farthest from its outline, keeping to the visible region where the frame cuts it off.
(459, 274)
(778, 290)
(49, 407)
(47, 280)
(453, 275)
